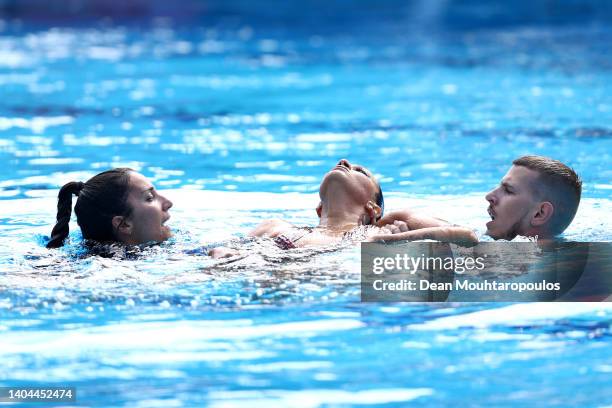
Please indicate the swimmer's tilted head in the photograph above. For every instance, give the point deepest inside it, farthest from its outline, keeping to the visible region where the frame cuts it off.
(351, 185)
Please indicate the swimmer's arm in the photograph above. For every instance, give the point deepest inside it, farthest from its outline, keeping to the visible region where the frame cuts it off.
(271, 228)
(222, 252)
(413, 220)
(214, 252)
(268, 228)
(455, 235)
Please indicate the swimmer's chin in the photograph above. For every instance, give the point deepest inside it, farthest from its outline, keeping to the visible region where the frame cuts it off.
(167, 233)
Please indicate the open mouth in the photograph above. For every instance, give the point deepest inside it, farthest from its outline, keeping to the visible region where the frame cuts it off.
(491, 213)
(164, 221)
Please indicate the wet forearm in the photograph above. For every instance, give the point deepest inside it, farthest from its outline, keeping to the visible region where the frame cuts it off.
(457, 235)
(413, 220)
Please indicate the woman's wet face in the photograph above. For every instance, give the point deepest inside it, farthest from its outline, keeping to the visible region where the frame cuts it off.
(149, 212)
(356, 180)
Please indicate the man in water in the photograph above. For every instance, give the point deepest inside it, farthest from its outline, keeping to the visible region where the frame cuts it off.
(538, 197)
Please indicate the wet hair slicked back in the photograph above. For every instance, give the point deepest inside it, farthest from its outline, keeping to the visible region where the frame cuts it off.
(101, 198)
(557, 183)
(380, 201)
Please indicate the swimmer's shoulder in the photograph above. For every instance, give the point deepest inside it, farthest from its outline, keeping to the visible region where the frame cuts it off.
(272, 228)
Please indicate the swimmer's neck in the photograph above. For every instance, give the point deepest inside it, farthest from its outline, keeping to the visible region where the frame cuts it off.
(339, 219)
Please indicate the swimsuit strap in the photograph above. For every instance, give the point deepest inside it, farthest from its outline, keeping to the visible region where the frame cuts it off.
(284, 242)
(308, 231)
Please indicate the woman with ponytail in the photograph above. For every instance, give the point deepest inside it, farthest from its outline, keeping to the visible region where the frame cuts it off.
(118, 205)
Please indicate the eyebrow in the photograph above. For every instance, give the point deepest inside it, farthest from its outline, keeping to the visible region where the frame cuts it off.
(150, 189)
(508, 185)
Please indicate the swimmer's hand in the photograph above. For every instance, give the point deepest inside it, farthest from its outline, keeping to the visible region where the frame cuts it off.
(455, 235)
(395, 228)
(222, 252)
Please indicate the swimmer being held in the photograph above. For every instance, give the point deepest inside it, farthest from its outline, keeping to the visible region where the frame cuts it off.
(351, 208)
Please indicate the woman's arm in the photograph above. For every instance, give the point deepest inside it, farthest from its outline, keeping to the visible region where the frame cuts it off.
(270, 228)
(456, 235)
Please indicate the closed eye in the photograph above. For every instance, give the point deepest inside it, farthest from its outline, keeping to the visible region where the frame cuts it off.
(150, 194)
(361, 170)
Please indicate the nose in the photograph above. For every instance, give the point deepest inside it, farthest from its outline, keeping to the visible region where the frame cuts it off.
(490, 197)
(345, 163)
(167, 204)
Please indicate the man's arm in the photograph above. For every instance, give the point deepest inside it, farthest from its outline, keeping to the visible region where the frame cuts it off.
(413, 220)
(456, 235)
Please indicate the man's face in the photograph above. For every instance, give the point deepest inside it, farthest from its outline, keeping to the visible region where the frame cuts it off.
(511, 204)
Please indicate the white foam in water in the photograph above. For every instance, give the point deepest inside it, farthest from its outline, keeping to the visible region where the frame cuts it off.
(314, 398)
(37, 124)
(518, 314)
(185, 335)
(205, 217)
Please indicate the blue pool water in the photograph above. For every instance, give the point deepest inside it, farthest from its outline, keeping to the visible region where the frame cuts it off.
(239, 120)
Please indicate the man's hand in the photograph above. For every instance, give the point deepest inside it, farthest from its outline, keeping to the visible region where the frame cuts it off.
(396, 228)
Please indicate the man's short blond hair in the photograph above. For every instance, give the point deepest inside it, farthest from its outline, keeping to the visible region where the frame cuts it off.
(558, 184)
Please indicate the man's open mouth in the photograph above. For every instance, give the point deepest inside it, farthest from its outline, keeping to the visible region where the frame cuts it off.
(491, 213)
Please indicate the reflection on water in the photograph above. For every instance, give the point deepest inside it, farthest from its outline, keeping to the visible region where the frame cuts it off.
(223, 110)
(248, 108)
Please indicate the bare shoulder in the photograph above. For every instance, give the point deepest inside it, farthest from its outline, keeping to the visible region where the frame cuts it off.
(271, 228)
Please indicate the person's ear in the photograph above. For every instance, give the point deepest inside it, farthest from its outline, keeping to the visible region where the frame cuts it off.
(319, 209)
(373, 213)
(544, 213)
(121, 226)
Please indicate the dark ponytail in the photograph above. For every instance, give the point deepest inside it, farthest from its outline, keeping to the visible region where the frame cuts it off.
(101, 198)
(64, 209)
